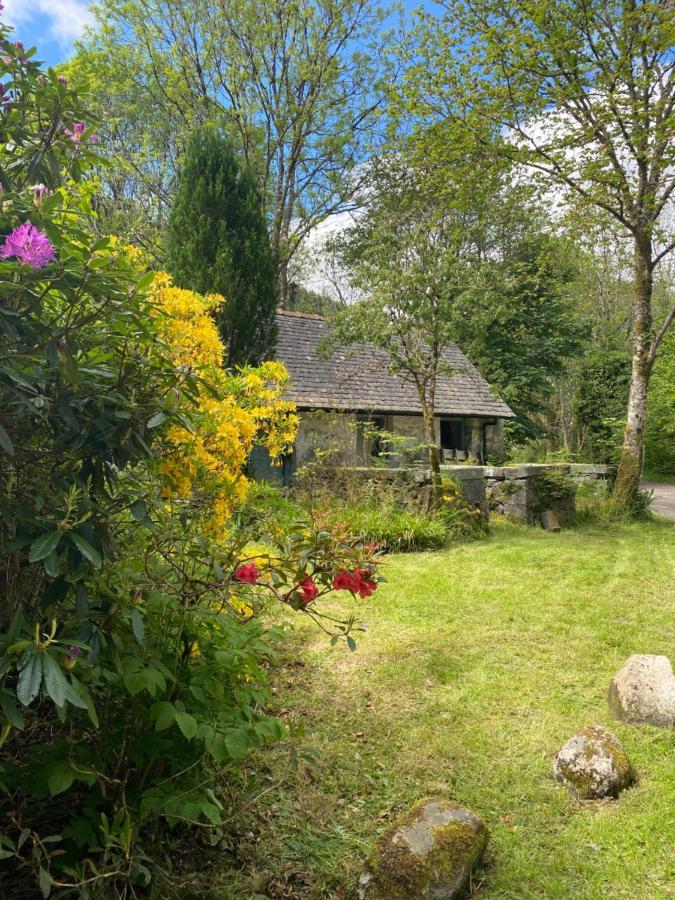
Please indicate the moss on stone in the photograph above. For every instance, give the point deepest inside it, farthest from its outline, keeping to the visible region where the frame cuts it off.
(398, 872)
(599, 743)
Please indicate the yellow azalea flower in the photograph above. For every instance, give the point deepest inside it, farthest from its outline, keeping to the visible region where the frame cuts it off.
(248, 407)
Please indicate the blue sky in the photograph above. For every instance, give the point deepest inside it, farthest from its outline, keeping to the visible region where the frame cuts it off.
(51, 25)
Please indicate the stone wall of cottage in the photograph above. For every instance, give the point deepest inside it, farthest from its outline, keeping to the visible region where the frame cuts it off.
(319, 430)
(324, 430)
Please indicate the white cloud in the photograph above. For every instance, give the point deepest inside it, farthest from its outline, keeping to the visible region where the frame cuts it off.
(61, 20)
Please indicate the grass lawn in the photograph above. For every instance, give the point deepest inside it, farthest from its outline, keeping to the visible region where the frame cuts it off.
(478, 663)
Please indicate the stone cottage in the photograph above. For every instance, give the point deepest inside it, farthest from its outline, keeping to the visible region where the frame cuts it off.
(344, 398)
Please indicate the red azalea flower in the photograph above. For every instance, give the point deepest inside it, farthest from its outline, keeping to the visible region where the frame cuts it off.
(366, 584)
(248, 573)
(308, 590)
(346, 581)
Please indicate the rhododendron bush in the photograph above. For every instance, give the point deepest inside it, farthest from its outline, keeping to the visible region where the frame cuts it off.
(133, 640)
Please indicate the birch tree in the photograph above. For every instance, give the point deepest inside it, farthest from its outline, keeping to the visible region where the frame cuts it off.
(583, 92)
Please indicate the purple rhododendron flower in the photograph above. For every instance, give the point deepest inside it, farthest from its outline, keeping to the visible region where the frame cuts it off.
(79, 129)
(76, 134)
(30, 245)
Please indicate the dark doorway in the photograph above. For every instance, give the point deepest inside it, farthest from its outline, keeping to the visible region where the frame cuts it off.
(452, 434)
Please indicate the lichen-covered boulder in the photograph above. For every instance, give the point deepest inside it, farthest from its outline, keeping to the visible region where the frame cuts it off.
(593, 764)
(643, 691)
(428, 854)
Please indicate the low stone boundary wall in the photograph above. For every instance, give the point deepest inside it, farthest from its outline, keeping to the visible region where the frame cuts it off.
(521, 493)
(472, 483)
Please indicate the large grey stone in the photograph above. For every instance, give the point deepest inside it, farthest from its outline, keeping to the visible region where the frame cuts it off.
(549, 520)
(643, 691)
(593, 764)
(428, 854)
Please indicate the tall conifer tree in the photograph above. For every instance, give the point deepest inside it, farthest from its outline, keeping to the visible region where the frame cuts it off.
(217, 242)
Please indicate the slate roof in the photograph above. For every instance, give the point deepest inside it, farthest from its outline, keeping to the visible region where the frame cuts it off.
(357, 377)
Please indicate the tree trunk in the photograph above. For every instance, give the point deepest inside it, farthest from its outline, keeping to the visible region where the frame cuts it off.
(628, 476)
(284, 286)
(434, 456)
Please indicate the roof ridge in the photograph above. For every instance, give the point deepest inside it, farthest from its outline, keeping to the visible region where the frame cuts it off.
(300, 315)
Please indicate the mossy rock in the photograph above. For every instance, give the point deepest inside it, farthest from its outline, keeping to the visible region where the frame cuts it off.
(428, 854)
(593, 764)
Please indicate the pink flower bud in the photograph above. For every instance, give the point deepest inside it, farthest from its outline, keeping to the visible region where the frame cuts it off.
(40, 191)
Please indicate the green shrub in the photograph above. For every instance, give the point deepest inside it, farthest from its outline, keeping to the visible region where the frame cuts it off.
(269, 511)
(553, 488)
(133, 669)
(660, 428)
(395, 528)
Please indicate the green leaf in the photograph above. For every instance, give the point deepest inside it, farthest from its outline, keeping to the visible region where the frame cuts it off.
(86, 549)
(157, 419)
(137, 626)
(236, 744)
(51, 565)
(142, 680)
(187, 724)
(43, 546)
(211, 812)
(139, 510)
(30, 677)
(61, 776)
(12, 714)
(351, 643)
(45, 882)
(56, 685)
(5, 442)
(164, 714)
(144, 283)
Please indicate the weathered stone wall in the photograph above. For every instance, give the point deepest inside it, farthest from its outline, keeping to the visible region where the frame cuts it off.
(471, 480)
(326, 431)
(523, 493)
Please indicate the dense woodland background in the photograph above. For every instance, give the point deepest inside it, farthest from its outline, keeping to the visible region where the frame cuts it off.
(330, 108)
